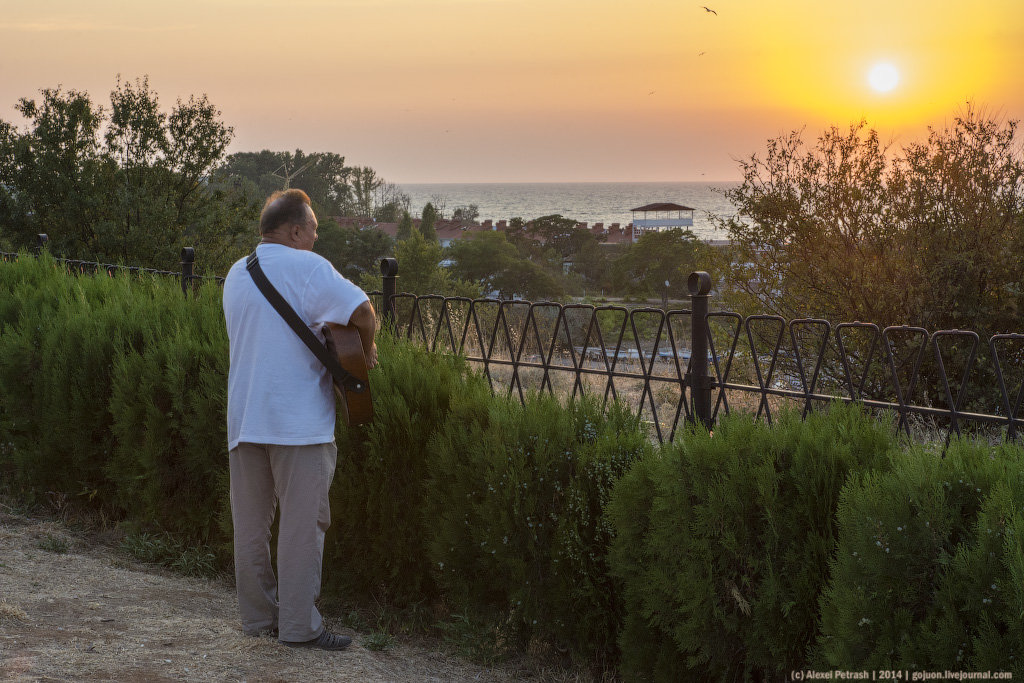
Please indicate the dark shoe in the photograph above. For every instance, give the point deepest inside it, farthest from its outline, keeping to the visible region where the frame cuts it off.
(325, 641)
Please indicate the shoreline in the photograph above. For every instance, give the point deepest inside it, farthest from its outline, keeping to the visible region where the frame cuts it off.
(607, 203)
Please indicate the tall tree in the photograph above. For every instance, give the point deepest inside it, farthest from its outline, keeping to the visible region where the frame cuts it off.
(421, 272)
(405, 227)
(149, 188)
(929, 235)
(497, 265)
(483, 258)
(466, 214)
(390, 203)
(365, 183)
(561, 234)
(55, 178)
(352, 251)
(428, 221)
(322, 175)
(374, 197)
(659, 263)
(594, 263)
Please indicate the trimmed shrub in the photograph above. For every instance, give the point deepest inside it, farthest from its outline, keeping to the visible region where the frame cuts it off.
(28, 312)
(583, 608)
(377, 543)
(169, 406)
(929, 568)
(723, 543)
(113, 388)
(32, 286)
(517, 494)
(711, 558)
(57, 354)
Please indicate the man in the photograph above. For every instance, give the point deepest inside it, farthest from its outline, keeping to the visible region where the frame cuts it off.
(281, 423)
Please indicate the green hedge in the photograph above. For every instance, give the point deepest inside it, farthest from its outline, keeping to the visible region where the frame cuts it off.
(737, 556)
(518, 492)
(448, 475)
(929, 572)
(113, 388)
(724, 541)
(61, 339)
(171, 472)
(377, 543)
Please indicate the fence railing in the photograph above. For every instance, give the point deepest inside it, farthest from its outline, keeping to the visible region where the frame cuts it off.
(186, 275)
(692, 365)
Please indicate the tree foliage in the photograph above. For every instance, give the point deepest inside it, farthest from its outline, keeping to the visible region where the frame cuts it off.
(352, 251)
(561, 234)
(53, 174)
(321, 175)
(926, 235)
(659, 263)
(420, 270)
(467, 214)
(497, 265)
(405, 227)
(137, 193)
(526, 260)
(428, 221)
(374, 197)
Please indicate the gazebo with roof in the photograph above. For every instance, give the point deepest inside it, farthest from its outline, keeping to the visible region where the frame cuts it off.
(666, 216)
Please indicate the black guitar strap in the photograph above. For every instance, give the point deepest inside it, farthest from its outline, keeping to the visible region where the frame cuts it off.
(342, 377)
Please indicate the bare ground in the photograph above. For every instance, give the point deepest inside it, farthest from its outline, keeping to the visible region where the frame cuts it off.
(75, 609)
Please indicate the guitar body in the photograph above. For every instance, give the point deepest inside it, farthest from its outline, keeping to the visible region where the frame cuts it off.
(346, 345)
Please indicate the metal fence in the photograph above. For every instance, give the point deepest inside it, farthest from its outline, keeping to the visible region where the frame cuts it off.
(693, 365)
(189, 280)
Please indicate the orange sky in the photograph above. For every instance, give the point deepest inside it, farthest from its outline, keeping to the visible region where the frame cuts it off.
(529, 90)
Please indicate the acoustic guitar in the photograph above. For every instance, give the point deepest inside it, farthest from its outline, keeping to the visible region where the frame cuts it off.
(345, 343)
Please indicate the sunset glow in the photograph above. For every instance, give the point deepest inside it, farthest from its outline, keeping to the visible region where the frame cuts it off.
(525, 90)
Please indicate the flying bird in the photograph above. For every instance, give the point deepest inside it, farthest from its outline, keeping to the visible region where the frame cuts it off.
(699, 54)
(708, 9)
(652, 92)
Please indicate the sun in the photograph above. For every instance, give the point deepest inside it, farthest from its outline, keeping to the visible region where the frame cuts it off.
(883, 77)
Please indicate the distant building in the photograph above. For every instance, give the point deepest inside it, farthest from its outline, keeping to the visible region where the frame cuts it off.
(613, 234)
(660, 216)
(450, 230)
(652, 217)
(447, 230)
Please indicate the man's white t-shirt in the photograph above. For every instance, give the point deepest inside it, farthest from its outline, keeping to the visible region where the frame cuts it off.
(278, 392)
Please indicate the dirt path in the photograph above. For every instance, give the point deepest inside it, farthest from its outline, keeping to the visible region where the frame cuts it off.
(72, 611)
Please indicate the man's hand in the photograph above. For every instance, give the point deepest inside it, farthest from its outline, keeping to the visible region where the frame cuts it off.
(364, 319)
(371, 357)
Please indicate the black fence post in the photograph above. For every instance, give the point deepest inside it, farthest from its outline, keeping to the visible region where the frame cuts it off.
(188, 259)
(41, 240)
(697, 377)
(389, 285)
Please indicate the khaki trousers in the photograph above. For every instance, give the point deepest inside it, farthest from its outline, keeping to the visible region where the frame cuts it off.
(299, 479)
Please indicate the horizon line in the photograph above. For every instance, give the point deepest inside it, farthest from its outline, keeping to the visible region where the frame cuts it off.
(560, 182)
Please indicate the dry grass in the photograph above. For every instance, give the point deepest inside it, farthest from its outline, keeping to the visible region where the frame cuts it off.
(664, 391)
(93, 613)
(10, 613)
(665, 394)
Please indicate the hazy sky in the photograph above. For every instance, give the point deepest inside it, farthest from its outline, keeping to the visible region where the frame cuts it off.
(530, 90)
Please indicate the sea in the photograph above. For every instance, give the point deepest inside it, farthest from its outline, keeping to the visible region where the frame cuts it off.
(586, 202)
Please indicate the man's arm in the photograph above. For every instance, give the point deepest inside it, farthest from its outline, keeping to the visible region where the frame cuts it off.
(364, 319)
